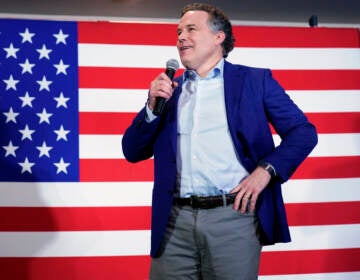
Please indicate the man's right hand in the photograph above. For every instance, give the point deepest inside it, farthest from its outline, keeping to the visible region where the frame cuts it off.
(161, 86)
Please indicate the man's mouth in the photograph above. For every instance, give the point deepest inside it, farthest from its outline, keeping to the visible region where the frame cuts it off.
(184, 48)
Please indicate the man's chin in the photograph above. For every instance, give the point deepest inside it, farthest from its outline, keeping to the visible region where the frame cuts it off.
(186, 63)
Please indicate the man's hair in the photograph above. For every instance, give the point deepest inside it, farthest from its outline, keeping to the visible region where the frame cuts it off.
(218, 21)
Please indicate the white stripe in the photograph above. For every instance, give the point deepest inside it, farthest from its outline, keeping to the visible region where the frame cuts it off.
(275, 58)
(111, 100)
(333, 144)
(109, 146)
(125, 100)
(297, 58)
(121, 243)
(321, 190)
(316, 276)
(326, 100)
(74, 243)
(320, 237)
(133, 56)
(50, 194)
(100, 146)
(347, 144)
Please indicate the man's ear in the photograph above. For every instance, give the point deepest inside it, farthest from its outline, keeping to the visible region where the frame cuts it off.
(220, 37)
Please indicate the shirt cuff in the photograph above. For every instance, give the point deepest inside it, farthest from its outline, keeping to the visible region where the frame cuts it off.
(149, 115)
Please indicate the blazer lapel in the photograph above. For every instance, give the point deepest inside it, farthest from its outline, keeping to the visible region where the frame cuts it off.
(234, 86)
(233, 89)
(173, 116)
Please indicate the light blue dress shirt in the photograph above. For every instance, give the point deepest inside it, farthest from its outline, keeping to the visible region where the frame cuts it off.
(207, 162)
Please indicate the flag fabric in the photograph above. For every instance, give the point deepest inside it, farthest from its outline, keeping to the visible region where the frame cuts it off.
(71, 207)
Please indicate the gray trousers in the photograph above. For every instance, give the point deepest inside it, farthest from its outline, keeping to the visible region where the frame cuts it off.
(218, 243)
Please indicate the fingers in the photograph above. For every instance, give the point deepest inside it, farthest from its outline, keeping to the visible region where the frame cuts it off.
(248, 203)
(245, 201)
(247, 196)
(161, 86)
(249, 189)
(241, 200)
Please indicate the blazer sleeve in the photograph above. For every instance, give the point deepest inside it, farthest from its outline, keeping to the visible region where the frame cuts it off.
(138, 139)
(298, 135)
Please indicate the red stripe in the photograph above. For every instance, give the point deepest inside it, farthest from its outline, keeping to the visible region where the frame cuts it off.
(341, 122)
(344, 122)
(137, 267)
(115, 170)
(76, 268)
(311, 261)
(298, 37)
(318, 79)
(127, 33)
(98, 170)
(74, 218)
(138, 218)
(246, 36)
(108, 77)
(329, 167)
(104, 123)
(116, 123)
(324, 213)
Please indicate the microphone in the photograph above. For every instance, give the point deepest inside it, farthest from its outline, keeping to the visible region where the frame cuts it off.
(171, 66)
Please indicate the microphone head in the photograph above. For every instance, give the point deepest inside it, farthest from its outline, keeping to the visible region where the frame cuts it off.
(172, 64)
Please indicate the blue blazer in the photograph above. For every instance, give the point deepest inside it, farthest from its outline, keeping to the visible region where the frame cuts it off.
(253, 99)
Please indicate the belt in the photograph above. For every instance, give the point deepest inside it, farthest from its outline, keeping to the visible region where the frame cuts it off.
(205, 202)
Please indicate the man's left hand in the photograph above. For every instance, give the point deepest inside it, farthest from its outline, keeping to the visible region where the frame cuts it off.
(250, 188)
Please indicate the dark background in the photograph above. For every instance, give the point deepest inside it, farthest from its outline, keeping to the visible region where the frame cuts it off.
(329, 12)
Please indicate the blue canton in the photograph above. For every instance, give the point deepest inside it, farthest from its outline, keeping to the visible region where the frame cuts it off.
(39, 122)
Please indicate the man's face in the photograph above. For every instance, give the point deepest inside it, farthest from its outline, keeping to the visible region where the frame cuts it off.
(199, 47)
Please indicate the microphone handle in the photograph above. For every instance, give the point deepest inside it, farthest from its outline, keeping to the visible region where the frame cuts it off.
(160, 101)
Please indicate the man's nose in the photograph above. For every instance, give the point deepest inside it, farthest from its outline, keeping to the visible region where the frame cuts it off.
(181, 37)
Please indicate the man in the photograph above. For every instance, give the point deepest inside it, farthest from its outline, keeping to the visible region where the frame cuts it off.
(217, 194)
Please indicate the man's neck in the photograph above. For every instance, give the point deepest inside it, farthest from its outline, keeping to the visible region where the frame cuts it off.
(204, 70)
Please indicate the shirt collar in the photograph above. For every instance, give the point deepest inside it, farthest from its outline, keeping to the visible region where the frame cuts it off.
(215, 72)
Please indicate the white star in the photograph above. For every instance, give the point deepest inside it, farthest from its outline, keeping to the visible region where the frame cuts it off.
(61, 100)
(44, 84)
(11, 83)
(26, 166)
(60, 37)
(11, 51)
(44, 116)
(26, 133)
(44, 52)
(61, 133)
(61, 166)
(26, 67)
(61, 67)
(10, 149)
(26, 36)
(26, 100)
(11, 116)
(44, 150)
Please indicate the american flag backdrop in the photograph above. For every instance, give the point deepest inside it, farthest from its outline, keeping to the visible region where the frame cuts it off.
(71, 207)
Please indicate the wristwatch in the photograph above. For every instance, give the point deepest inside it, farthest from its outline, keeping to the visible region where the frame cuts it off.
(268, 167)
